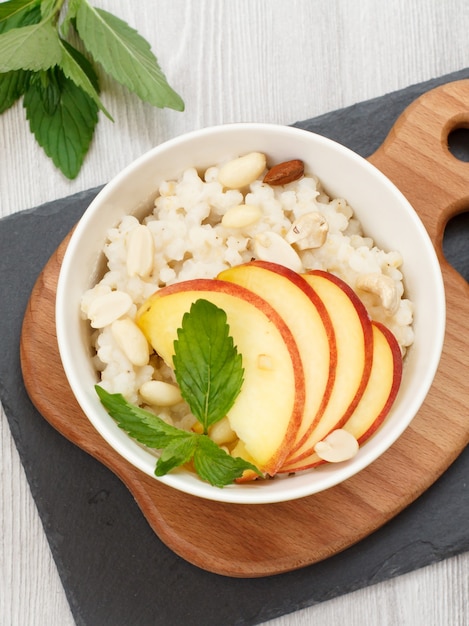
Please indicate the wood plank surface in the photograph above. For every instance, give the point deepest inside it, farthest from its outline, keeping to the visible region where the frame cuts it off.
(415, 155)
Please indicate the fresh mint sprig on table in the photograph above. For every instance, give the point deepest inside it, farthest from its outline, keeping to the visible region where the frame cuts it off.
(47, 53)
(209, 371)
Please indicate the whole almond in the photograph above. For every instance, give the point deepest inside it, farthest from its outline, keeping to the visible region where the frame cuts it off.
(285, 172)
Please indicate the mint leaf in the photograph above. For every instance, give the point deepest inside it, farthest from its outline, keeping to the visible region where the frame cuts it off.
(14, 8)
(76, 58)
(34, 47)
(125, 55)
(178, 452)
(31, 43)
(215, 466)
(207, 365)
(49, 7)
(15, 14)
(48, 90)
(62, 117)
(12, 87)
(178, 447)
(77, 68)
(70, 15)
(142, 425)
(210, 462)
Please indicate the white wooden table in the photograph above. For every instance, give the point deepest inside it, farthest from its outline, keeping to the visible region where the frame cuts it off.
(246, 60)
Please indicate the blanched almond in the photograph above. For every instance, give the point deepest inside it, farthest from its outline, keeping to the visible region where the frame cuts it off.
(160, 393)
(131, 341)
(242, 171)
(108, 307)
(241, 216)
(140, 251)
(338, 446)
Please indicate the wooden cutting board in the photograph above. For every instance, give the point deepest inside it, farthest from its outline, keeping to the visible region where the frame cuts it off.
(262, 540)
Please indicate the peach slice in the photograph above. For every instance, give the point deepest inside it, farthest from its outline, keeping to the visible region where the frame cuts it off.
(307, 317)
(383, 386)
(378, 397)
(354, 340)
(268, 411)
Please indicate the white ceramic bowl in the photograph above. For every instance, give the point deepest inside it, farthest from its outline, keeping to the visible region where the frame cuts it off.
(386, 216)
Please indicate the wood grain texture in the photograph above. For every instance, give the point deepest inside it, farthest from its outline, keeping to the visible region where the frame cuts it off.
(270, 539)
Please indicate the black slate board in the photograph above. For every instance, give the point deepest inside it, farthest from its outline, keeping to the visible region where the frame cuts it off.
(114, 569)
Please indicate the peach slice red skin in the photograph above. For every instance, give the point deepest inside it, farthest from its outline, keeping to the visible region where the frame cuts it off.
(305, 448)
(397, 378)
(375, 421)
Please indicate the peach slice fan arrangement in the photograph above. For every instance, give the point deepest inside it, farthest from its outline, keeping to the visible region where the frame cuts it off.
(320, 376)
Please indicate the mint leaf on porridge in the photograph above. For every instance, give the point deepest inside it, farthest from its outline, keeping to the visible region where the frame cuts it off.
(207, 364)
(142, 425)
(216, 466)
(178, 447)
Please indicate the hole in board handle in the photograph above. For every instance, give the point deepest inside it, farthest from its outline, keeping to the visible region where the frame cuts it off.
(458, 143)
(456, 243)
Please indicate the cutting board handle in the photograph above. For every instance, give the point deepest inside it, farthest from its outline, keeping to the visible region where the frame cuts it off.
(416, 157)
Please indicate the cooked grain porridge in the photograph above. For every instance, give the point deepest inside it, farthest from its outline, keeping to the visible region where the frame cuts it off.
(198, 228)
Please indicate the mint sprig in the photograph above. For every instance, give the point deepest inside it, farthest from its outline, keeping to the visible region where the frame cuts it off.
(207, 365)
(52, 47)
(178, 447)
(209, 372)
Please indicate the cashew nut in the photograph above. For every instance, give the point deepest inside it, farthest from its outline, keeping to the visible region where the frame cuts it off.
(308, 231)
(382, 286)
